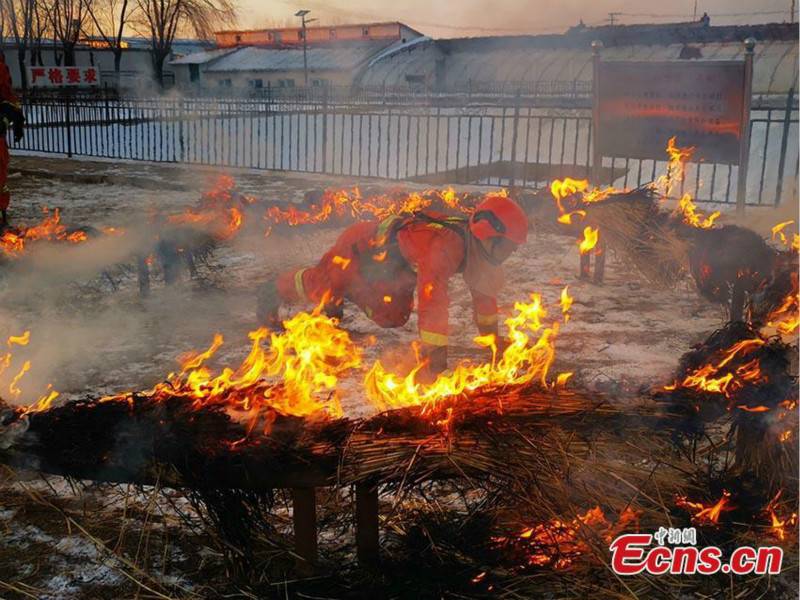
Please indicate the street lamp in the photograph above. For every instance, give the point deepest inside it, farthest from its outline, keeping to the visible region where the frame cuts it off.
(302, 14)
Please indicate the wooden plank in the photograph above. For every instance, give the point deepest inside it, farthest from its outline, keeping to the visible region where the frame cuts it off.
(304, 516)
(367, 536)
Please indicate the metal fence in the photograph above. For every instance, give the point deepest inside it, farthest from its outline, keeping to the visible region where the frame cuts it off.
(456, 139)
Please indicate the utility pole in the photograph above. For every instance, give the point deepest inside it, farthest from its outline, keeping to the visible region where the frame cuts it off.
(794, 6)
(302, 14)
(694, 16)
(612, 16)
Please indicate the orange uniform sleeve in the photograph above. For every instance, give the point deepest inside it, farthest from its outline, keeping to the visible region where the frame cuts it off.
(485, 311)
(436, 254)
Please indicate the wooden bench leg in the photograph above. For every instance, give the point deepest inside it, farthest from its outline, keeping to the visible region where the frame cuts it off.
(737, 302)
(304, 509)
(585, 266)
(367, 545)
(600, 263)
(143, 272)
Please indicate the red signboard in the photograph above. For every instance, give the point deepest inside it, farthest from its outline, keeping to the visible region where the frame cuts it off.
(640, 105)
(58, 77)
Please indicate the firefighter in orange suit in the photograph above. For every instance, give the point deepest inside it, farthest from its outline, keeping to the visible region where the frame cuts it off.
(379, 266)
(10, 114)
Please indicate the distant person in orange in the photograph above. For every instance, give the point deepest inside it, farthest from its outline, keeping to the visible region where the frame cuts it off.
(10, 114)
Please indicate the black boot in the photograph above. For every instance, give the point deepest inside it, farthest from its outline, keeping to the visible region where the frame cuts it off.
(268, 304)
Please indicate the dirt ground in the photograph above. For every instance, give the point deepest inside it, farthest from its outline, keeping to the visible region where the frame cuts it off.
(89, 339)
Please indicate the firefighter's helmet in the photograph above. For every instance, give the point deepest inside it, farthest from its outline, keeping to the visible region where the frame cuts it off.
(499, 216)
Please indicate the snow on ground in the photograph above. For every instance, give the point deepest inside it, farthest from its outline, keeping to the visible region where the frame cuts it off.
(89, 339)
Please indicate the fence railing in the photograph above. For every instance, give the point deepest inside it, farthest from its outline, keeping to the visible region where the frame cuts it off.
(494, 143)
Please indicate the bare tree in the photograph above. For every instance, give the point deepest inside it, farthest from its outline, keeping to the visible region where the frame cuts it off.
(19, 17)
(67, 18)
(110, 18)
(164, 18)
(39, 28)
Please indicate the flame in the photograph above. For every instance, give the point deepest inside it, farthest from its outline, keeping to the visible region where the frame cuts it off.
(566, 219)
(44, 402)
(785, 319)
(351, 204)
(566, 303)
(342, 262)
(706, 514)
(562, 378)
(296, 375)
(14, 391)
(219, 209)
(559, 543)
(713, 378)
(687, 208)
(525, 359)
(589, 241)
(5, 361)
(779, 527)
(20, 340)
(561, 188)
(777, 232)
(676, 167)
(13, 241)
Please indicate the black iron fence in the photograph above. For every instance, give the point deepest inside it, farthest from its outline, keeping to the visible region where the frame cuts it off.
(457, 139)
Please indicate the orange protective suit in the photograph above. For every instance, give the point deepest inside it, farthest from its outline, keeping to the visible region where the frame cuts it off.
(379, 265)
(6, 95)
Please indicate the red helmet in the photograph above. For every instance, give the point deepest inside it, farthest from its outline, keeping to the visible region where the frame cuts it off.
(499, 216)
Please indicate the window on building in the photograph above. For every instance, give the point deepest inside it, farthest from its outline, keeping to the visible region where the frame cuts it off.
(194, 72)
(238, 39)
(300, 35)
(286, 83)
(225, 83)
(365, 31)
(318, 83)
(255, 83)
(332, 34)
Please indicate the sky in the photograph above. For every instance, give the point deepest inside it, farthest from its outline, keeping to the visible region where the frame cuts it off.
(459, 18)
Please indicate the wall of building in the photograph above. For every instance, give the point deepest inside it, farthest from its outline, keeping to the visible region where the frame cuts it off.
(136, 67)
(242, 80)
(294, 35)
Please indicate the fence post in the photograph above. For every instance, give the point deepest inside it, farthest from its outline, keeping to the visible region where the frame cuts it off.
(584, 267)
(67, 123)
(744, 148)
(514, 134)
(787, 121)
(181, 113)
(325, 131)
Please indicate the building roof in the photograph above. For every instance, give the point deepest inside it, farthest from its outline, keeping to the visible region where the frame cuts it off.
(200, 58)
(329, 58)
(531, 59)
(320, 27)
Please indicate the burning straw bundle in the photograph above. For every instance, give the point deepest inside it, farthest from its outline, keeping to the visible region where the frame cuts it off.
(632, 226)
(740, 374)
(141, 440)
